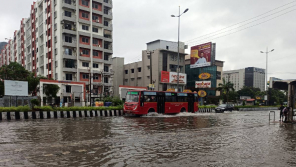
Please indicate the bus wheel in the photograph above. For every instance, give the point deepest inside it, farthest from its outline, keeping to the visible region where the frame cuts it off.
(151, 110)
(183, 110)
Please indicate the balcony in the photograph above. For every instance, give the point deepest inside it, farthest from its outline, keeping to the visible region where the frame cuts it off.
(69, 6)
(108, 3)
(72, 18)
(67, 56)
(69, 30)
(70, 44)
(108, 48)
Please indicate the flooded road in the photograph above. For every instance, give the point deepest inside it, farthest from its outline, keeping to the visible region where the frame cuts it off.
(202, 139)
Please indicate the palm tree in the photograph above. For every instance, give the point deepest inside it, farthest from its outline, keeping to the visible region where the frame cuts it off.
(225, 88)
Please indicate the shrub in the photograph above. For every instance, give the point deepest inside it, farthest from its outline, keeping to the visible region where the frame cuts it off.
(116, 101)
(35, 102)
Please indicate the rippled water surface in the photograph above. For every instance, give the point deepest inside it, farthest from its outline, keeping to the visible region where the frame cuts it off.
(202, 139)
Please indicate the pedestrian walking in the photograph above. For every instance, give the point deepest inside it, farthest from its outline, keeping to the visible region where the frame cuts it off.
(281, 112)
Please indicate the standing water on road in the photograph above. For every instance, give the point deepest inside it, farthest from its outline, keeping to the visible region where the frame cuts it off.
(186, 139)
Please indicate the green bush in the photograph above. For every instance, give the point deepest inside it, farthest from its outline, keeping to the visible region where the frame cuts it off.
(44, 108)
(116, 101)
(108, 99)
(35, 102)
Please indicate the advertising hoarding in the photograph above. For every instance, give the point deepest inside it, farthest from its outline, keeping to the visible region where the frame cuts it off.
(202, 93)
(172, 77)
(201, 55)
(203, 84)
(15, 88)
(204, 75)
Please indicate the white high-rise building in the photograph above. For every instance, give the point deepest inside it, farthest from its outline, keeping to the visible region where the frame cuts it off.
(250, 77)
(66, 40)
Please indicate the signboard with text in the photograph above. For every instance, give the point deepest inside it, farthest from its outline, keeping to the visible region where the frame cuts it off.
(172, 77)
(202, 84)
(15, 88)
(204, 75)
(201, 55)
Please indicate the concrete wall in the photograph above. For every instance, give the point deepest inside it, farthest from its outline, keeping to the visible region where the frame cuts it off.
(118, 67)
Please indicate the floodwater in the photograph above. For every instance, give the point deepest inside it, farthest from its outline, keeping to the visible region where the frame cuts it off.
(201, 139)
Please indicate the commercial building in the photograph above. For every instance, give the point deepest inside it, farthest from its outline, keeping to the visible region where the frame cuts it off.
(250, 77)
(215, 71)
(237, 77)
(160, 56)
(66, 40)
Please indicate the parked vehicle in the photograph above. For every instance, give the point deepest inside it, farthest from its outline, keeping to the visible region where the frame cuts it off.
(223, 107)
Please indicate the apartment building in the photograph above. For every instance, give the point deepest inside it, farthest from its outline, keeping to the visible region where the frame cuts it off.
(66, 40)
(250, 77)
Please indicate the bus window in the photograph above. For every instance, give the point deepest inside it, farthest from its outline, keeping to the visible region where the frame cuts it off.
(132, 97)
(149, 96)
(182, 97)
(195, 98)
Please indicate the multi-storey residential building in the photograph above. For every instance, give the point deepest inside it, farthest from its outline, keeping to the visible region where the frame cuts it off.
(250, 77)
(66, 40)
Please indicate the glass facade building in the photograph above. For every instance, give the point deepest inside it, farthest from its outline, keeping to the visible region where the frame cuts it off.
(193, 75)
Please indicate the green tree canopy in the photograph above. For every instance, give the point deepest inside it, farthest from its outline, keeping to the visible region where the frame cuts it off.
(250, 91)
(225, 88)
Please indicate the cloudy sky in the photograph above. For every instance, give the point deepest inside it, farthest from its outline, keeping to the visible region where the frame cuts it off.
(240, 29)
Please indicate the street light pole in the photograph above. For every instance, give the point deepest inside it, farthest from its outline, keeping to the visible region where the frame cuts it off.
(178, 67)
(266, 88)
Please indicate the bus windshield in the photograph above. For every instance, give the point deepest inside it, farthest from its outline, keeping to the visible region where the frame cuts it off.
(132, 97)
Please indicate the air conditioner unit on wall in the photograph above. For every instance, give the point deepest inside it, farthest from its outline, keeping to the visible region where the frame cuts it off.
(81, 53)
(98, 21)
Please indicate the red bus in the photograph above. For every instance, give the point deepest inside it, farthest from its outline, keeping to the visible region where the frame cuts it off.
(144, 102)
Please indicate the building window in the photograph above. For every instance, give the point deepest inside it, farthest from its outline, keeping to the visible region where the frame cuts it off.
(68, 39)
(106, 80)
(84, 15)
(139, 69)
(95, 53)
(106, 57)
(84, 27)
(69, 77)
(84, 2)
(68, 51)
(85, 64)
(85, 76)
(68, 89)
(132, 79)
(96, 77)
(95, 18)
(133, 70)
(126, 80)
(95, 65)
(68, 1)
(85, 40)
(95, 29)
(95, 6)
(85, 52)
(106, 69)
(148, 67)
(95, 41)
(67, 13)
(126, 71)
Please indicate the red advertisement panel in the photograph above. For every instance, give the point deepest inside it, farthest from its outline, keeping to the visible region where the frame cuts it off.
(165, 77)
(201, 55)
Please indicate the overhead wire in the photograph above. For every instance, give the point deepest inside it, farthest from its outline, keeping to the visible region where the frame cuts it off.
(247, 21)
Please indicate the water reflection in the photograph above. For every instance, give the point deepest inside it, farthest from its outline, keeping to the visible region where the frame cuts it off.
(230, 139)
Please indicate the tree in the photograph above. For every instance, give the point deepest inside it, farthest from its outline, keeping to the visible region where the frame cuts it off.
(276, 96)
(225, 88)
(250, 91)
(14, 71)
(51, 90)
(33, 82)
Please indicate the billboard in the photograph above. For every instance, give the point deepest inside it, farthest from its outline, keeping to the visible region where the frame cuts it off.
(15, 88)
(172, 77)
(203, 84)
(201, 55)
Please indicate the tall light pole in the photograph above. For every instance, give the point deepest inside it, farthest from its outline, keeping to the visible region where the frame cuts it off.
(186, 10)
(266, 89)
